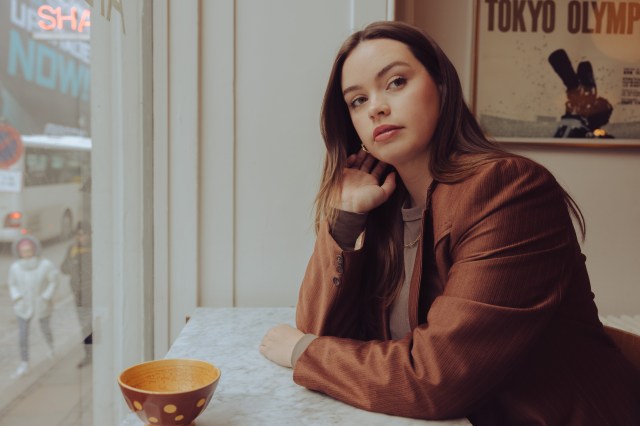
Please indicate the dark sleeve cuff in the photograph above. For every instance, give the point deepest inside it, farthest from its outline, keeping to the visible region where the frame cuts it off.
(348, 228)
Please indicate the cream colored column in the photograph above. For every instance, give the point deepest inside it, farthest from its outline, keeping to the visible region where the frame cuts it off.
(183, 165)
(121, 215)
(217, 159)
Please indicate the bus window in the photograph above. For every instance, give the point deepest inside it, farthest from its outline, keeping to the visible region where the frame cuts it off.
(72, 167)
(35, 168)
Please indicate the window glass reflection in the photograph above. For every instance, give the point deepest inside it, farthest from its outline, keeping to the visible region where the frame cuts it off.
(45, 213)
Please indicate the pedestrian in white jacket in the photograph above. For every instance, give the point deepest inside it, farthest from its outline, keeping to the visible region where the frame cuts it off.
(32, 283)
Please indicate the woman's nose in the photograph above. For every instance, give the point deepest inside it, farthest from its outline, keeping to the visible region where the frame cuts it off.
(378, 107)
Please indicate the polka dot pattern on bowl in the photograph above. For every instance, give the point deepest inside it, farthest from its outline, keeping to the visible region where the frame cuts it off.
(169, 392)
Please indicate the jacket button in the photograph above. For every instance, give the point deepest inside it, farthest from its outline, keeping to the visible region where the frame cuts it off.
(340, 259)
(336, 281)
(339, 269)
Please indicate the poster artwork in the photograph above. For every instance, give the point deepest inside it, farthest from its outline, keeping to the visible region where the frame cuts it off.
(558, 69)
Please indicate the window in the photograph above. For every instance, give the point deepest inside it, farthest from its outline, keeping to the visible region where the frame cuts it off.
(45, 148)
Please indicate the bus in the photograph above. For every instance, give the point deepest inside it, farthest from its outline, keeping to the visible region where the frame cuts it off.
(46, 191)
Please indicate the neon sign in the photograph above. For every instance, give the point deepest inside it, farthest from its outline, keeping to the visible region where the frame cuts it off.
(56, 18)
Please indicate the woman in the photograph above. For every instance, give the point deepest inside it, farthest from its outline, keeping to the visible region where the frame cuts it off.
(32, 283)
(468, 295)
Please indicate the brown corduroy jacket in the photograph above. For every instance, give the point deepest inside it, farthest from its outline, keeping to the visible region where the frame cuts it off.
(511, 337)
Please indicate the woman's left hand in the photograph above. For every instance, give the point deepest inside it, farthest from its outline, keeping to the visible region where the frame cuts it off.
(277, 345)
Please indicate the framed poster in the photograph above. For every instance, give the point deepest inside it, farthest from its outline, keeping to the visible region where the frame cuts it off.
(558, 72)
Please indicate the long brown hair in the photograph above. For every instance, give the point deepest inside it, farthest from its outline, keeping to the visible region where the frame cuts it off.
(457, 133)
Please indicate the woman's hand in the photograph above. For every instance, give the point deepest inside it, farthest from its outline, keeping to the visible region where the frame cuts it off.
(361, 188)
(277, 345)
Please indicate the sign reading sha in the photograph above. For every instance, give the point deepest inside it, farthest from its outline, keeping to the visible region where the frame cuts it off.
(52, 18)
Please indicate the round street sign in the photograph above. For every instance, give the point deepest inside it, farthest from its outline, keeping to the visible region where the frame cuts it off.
(11, 146)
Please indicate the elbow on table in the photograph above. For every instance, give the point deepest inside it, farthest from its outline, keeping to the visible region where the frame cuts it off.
(413, 401)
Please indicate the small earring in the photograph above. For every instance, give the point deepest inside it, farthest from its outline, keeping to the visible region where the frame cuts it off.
(364, 148)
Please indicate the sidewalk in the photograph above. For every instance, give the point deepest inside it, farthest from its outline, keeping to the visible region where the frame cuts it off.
(62, 396)
(66, 335)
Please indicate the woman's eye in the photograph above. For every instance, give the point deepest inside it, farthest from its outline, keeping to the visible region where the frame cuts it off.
(357, 101)
(397, 82)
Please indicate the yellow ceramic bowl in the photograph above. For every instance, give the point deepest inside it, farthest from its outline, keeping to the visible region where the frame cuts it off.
(169, 392)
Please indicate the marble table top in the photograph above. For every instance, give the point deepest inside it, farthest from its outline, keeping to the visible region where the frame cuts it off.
(253, 390)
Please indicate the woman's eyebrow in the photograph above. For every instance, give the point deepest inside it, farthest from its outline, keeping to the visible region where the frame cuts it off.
(380, 73)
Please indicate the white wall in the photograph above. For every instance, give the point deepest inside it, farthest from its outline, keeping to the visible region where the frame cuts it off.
(283, 52)
(262, 140)
(603, 182)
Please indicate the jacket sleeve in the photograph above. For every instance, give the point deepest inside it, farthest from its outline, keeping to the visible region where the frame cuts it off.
(14, 292)
(511, 244)
(331, 279)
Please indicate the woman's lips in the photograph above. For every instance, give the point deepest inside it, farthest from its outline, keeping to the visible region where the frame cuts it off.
(384, 132)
